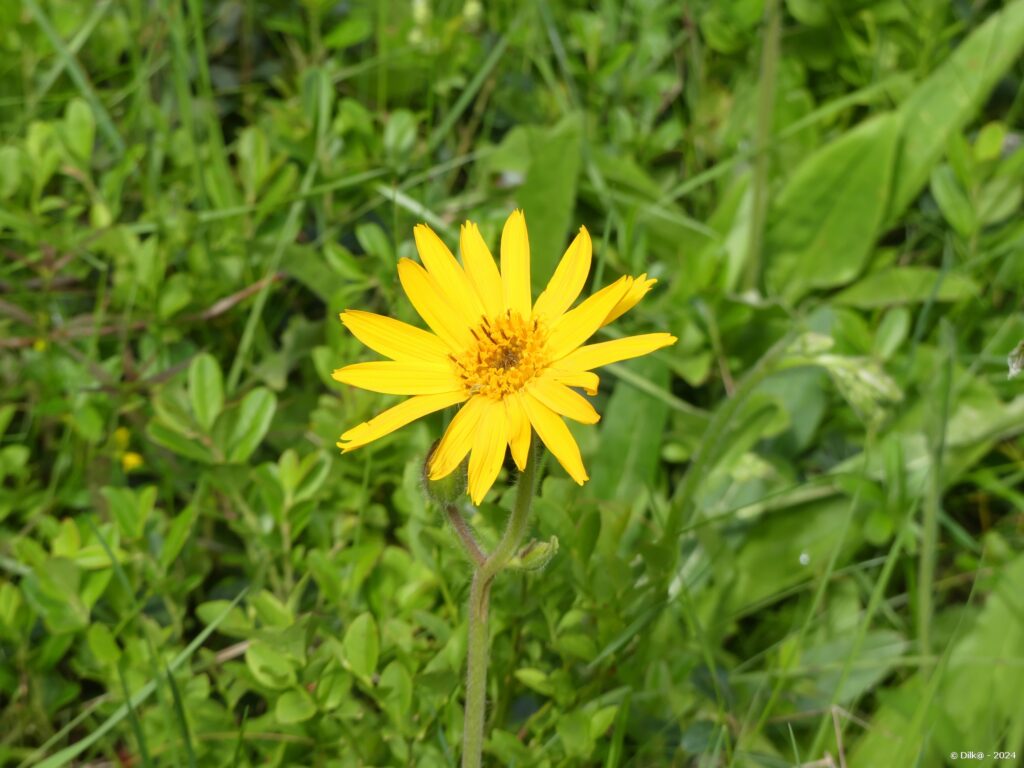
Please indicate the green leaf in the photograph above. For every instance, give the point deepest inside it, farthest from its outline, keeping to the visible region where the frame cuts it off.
(253, 161)
(294, 706)
(205, 389)
(602, 720)
(53, 592)
(399, 134)
(361, 645)
(990, 141)
(175, 441)
(10, 172)
(953, 202)
(353, 30)
(907, 285)
(251, 423)
(271, 611)
(130, 509)
(177, 534)
(231, 621)
(79, 129)
(269, 666)
(548, 195)
(535, 679)
(396, 685)
(950, 97)
(824, 223)
(574, 730)
(631, 428)
(102, 644)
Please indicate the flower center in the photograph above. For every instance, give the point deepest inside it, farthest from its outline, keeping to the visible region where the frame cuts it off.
(509, 351)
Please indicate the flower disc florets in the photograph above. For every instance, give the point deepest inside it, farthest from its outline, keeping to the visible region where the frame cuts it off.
(508, 353)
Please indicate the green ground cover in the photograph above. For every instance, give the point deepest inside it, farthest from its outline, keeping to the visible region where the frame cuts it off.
(802, 537)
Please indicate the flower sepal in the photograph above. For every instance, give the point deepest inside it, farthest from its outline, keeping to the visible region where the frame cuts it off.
(535, 556)
(446, 490)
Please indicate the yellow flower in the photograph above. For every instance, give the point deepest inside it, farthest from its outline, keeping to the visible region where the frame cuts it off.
(511, 361)
(130, 460)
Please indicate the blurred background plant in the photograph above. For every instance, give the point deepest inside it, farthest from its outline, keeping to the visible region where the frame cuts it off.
(802, 540)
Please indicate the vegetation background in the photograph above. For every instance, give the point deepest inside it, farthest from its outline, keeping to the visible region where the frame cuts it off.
(802, 542)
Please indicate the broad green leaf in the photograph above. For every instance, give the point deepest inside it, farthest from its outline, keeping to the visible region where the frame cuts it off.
(548, 195)
(251, 423)
(631, 428)
(253, 161)
(102, 644)
(353, 29)
(362, 645)
(950, 97)
(53, 592)
(233, 623)
(175, 441)
(294, 706)
(269, 666)
(987, 707)
(205, 389)
(823, 225)
(315, 272)
(907, 285)
(130, 509)
(787, 547)
(79, 129)
(536, 679)
(602, 720)
(877, 656)
(953, 202)
(990, 141)
(396, 686)
(271, 611)
(574, 730)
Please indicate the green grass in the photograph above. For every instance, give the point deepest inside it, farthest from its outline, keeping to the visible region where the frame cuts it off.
(802, 537)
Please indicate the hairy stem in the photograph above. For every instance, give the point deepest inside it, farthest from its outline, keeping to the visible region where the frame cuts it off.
(466, 537)
(479, 598)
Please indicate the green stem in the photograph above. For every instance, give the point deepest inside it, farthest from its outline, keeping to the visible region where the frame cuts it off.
(479, 598)
(466, 538)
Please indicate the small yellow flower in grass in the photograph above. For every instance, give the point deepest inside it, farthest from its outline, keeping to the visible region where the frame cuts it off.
(130, 460)
(510, 361)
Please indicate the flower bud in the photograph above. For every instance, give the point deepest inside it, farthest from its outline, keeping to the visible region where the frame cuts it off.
(535, 555)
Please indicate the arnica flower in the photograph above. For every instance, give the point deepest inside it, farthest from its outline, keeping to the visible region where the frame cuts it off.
(512, 363)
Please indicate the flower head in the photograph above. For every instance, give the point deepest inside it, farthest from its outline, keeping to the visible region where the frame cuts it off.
(511, 362)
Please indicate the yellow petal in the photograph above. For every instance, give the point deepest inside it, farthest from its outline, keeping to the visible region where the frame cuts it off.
(481, 269)
(448, 274)
(637, 291)
(395, 418)
(429, 301)
(562, 400)
(488, 450)
(457, 440)
(519, 432)
(569, 278)
(579, 324)
(556, 437)
(585, 380)
(404, 377)
(606, 352)
(515, 264)
(393, 338)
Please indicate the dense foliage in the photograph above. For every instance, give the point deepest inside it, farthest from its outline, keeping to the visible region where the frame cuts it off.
(802, 539)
